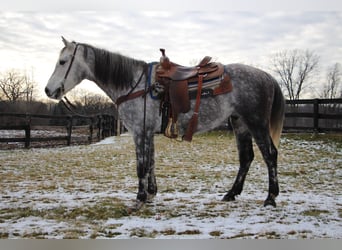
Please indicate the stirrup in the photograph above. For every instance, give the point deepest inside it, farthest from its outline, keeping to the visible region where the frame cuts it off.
(171, 130)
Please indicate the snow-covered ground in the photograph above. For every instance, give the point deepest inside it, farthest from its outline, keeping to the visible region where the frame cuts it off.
(84, 191)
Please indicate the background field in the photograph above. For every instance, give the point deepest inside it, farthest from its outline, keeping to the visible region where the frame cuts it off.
(84, 191)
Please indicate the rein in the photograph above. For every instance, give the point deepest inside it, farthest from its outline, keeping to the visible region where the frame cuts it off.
(132, 95)
(140, 93)
(71, 107)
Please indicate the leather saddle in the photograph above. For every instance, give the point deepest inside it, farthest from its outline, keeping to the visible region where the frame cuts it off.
(176, 79)
(178, 72)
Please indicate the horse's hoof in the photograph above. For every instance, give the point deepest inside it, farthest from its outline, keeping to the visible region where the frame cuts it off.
(136, 207)
(270, 202)
(150, 198)
(228, 197)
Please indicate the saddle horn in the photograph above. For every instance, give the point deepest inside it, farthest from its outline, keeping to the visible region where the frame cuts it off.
(164, 60)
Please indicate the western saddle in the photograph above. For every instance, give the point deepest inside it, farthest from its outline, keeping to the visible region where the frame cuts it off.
(177, 79)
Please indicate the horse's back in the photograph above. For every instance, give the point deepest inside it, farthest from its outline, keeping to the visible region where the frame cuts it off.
(249, 78)
(253, 89)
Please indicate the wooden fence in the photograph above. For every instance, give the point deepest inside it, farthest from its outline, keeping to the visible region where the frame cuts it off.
(316, 115)
(96, 127)
(313, 115)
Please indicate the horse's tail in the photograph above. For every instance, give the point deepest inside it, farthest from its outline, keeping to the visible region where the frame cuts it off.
(277, 115)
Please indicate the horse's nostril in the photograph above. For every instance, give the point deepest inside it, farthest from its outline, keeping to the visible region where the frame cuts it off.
(53, 94)
(58, 92)
(47, 92)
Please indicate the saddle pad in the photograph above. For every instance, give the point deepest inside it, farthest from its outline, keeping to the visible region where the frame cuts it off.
(218, 86)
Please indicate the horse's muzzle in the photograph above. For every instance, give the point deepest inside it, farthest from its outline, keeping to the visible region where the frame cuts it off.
(54, 94)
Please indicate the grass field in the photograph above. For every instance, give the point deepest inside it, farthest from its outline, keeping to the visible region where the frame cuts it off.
(84, 191)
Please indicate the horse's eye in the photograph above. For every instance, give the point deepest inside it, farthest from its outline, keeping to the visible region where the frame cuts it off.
(61, 62)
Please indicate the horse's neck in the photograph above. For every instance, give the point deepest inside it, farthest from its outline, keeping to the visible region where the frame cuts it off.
(110, 89)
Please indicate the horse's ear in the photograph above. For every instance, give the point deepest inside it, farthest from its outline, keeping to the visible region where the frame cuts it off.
(65, 41)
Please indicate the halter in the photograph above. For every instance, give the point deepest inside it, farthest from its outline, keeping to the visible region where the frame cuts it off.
(68, 70)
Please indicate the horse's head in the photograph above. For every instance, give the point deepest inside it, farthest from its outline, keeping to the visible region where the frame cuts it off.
(70, 70)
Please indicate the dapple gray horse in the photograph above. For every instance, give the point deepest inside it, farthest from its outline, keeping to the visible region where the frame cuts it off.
(255, 107)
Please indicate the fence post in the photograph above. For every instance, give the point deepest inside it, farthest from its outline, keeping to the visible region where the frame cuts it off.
(28, 132)
(27, 136)
(99, 126)
(112, 125)
(69, 130)
(105, 130)
(316, 115)
(91, 130)
(118, 126)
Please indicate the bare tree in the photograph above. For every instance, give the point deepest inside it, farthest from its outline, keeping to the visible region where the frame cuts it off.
(295, 68)
(15, 86)
(88, 102)
(331, 88)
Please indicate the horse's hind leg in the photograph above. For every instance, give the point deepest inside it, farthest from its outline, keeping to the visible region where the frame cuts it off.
(270, 155)
(246, 156)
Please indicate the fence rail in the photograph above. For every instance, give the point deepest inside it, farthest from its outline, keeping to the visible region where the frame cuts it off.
(97, 127)
(317, 115)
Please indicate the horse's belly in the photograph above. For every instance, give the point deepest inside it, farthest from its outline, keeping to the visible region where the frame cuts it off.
(213, 112)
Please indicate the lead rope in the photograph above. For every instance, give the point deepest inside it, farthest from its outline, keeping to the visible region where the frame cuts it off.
(71, 107)
(144, 128)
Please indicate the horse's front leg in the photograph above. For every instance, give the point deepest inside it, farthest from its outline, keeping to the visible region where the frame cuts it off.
(152, 183)
(145, 167)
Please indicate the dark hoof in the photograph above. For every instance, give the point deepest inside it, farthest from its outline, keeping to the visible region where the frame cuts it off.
(142, 196)
(228, 197)
(270, 202)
